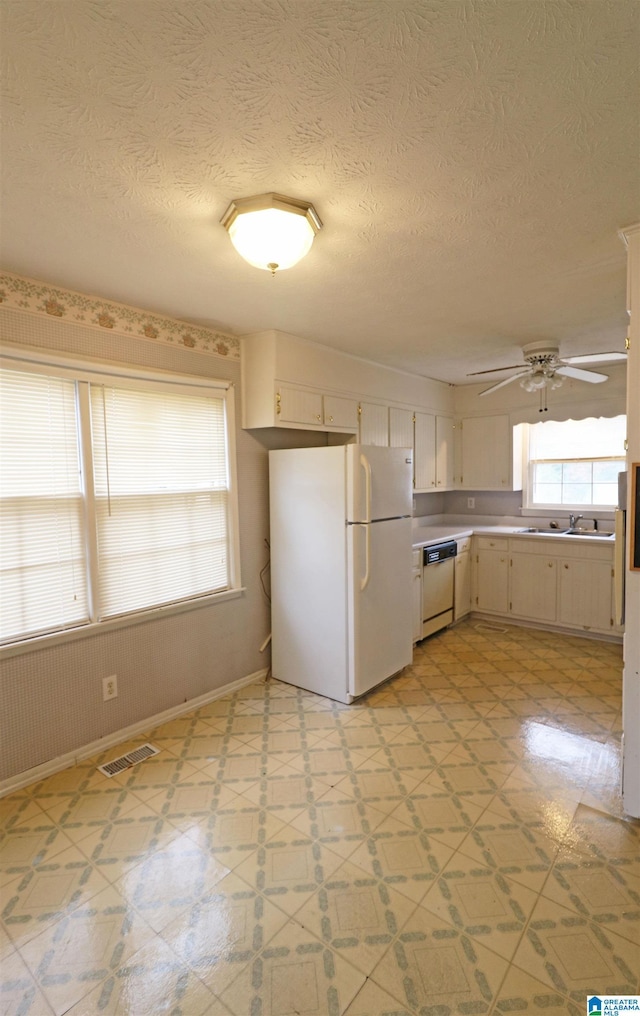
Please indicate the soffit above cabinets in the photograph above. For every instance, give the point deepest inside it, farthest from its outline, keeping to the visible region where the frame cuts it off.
(471, 161)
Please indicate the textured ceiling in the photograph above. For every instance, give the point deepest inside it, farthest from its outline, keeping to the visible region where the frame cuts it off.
(471, 161)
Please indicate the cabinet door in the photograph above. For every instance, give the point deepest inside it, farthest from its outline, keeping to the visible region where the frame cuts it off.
(486, 453)
(584, 595)
(444, 453)
(416, 603)
(339, 412)
(296, 405)
(533, 586)
(492, 579)
(374, 424)
(425, 451)
(400, 428)
(462, 587)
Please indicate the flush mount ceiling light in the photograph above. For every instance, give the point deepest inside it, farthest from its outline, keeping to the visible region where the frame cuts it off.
(271, 231)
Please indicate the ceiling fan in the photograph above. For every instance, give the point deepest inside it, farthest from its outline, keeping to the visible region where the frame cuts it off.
(545, 368)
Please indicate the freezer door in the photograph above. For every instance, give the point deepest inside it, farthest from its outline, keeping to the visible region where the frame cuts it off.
(380, 631)
(379, 482)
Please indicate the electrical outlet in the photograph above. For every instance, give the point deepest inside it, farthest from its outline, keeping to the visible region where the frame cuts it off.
(109, 687)
(471, 502)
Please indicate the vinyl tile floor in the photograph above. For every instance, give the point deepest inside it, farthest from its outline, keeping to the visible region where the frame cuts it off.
(453, 843)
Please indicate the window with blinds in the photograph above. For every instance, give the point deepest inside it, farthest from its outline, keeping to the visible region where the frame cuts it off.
(116, 497)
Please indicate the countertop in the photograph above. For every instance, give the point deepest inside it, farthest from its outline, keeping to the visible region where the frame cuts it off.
(424, 536)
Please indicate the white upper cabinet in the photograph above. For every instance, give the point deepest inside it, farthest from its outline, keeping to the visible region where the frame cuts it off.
(425, 452)
(339, 412)
(431, 438)
(444, 453)
(289, 382)
(374, 424)
(299, 406)
(400, 428)
(491, 454)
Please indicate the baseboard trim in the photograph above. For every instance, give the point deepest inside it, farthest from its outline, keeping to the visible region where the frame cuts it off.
(477, 615)
(56, 765)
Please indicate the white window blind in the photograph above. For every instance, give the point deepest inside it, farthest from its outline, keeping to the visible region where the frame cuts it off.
(161, 496)
(117, 492)
(43, 585)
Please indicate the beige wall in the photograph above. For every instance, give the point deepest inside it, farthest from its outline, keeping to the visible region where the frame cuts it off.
(51, 699)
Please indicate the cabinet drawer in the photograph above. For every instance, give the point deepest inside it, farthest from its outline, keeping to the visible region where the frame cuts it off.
(464, 545)
(416, 558)
(492, 543)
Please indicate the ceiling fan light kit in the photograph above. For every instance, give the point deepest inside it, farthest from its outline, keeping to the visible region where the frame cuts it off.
(271, 231)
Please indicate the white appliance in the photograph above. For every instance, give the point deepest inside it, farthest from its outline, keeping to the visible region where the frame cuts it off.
(340, 567)
(620, 556)
(437, 586)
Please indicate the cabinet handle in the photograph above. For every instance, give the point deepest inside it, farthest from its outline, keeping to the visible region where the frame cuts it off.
(330, 419)
(278, 406)
(567, 566)
(549, 564)
(318, 417)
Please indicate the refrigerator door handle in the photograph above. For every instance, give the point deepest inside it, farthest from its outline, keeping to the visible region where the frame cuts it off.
(366, 465)
(364, 582)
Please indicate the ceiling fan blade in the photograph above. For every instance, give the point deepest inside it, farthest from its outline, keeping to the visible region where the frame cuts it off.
(594, 358)
(583, 375)
(501, 384)
(494, 370)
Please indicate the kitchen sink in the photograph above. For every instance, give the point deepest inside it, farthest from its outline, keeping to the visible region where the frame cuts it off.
(545, 532)
(587, 532)
(567, 532)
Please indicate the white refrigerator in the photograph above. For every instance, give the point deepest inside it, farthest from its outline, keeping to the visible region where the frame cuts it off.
(340, 567)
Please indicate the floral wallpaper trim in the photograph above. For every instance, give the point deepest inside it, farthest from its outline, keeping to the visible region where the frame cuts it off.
(38, 298)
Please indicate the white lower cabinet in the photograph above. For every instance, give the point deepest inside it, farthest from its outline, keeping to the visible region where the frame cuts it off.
(462, 583)
(533, 586)
(584, 595)
(416, 602)
(492, 575)
(557, 581)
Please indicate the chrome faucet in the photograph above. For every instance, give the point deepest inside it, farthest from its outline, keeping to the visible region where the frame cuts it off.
(573, 519)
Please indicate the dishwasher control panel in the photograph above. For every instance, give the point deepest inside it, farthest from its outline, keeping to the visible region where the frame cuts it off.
(439, 552)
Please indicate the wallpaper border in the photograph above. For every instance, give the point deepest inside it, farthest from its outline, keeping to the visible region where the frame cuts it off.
(33, 297)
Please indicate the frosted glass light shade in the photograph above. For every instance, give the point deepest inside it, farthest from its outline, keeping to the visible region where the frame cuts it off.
(271, 231)
(540, 379)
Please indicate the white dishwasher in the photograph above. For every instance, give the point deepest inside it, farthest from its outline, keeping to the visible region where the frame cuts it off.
(437, 586)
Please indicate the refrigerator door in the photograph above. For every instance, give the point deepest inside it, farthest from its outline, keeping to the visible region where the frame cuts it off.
(380, 591)
(309, 591)
(379, 482)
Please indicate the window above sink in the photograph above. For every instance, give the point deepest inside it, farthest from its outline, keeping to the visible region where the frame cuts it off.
(574, 464)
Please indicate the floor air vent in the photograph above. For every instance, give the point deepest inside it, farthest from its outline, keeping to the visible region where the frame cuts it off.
(132, 758)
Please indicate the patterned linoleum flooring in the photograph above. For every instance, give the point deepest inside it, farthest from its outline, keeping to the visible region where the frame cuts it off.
(453, 843)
